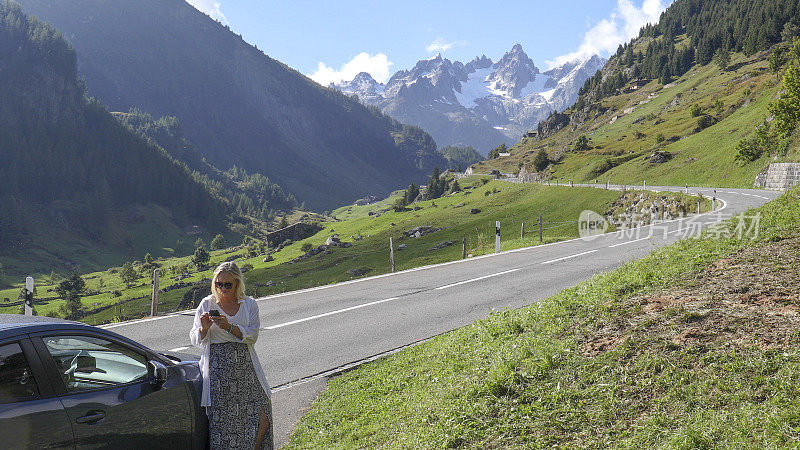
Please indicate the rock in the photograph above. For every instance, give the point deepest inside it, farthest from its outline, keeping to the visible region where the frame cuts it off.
(357, 237)
(268, 258)
(192, 297)
(358, 272)
(459, 205)
(660, 157)
(333, 240)
(639, 119)
(344, 245)
(371, 213)
(401, 246)
(270, 283)
(368, 200)
(392, 224)
(420, 231)
(440, 245)
(474, 210)
(416, 208)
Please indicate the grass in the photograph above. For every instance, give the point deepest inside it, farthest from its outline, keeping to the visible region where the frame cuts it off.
(523, 378)
(511, 204)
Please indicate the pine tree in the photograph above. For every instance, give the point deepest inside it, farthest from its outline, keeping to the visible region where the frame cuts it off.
(218, 243)
(201, 258)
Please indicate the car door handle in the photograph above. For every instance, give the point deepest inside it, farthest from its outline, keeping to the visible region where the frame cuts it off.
(91, 418)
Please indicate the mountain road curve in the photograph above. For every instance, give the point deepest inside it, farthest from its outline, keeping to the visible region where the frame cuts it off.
(309, 334)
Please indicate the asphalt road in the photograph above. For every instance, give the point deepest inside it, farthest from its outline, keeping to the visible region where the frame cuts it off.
(312, 333)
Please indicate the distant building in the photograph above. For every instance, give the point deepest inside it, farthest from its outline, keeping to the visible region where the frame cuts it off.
(192, 230)
(504, 154)
(637, 84)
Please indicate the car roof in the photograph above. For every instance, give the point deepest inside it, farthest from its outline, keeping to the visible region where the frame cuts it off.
(12, 324)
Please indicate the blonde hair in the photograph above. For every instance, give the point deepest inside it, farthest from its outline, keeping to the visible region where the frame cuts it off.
(233, 270)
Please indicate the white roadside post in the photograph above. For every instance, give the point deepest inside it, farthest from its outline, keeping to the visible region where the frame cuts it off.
(644, 184)
(154, 304)
(391, 252)
(29, 296)
(497, 237)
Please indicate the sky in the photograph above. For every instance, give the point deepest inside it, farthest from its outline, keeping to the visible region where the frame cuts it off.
(331, 41)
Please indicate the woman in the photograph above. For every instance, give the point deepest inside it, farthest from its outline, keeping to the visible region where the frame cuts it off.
(235, 391)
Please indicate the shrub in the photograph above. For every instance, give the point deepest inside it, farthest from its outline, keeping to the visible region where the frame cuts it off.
(582, 143)
(695, 110)
(306, 247)
(705, 121)
(128, 274)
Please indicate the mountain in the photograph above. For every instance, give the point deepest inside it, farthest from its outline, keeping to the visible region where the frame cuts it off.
(479, 104)
(74, 180)
(239, 106)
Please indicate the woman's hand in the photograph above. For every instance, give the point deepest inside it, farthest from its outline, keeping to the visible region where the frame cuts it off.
(221, 322)
(205, 324)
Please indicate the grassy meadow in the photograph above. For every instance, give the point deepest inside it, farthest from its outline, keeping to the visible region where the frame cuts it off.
(511, 204)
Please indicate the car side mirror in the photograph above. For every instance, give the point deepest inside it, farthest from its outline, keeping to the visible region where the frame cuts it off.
(158, 373)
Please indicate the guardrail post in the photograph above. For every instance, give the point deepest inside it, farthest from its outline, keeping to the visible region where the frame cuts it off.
(644, 184)
(540, 228)
(29, 296)
(391, 252)
(522, 231)
(606, 184)
(698, 208)
(687, 188)
(154, 304)
(497, 237)
(463, 248)
(713, 203)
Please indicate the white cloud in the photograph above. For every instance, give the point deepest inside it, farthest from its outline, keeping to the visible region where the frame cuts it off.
(439, 45)
(378, 66)
(621, 26)
(210, 7)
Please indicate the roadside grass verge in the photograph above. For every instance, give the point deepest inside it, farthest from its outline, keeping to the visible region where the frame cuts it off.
(598, 365)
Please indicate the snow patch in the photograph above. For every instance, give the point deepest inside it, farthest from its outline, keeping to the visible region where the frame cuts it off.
(548, 95)
(474, 88)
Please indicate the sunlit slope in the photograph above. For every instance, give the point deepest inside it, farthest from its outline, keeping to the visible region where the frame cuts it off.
(658, 118)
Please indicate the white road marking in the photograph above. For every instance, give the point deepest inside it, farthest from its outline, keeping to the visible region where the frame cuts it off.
(475, 279)
(628, 242)
(318, 316)
(568, 257)
(179, 349)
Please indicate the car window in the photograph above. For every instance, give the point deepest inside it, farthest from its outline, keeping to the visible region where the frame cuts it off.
(88, 363)
(16, 378)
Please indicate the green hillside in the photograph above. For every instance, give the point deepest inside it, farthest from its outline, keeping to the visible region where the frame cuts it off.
(80, 191)
(673, 105)
(239, 106)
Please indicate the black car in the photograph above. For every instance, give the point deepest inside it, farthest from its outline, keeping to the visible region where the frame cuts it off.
(70, 385)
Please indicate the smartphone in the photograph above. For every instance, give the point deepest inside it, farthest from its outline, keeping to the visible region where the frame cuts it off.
(213, 313)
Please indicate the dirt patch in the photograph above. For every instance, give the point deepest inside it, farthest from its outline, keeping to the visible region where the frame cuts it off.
(751, 298)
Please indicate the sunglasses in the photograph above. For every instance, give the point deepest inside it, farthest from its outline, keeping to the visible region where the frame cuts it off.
(222, 285)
